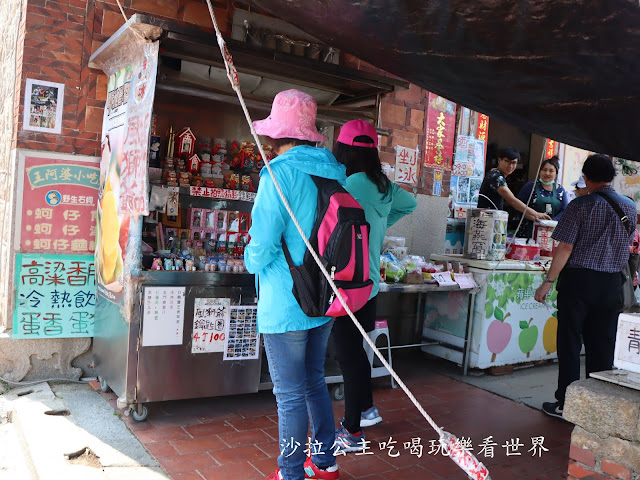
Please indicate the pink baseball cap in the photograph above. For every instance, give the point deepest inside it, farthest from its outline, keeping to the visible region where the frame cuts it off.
(355, 128)
(293, 115)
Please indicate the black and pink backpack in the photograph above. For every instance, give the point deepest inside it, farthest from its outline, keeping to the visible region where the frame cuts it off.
(340, 235)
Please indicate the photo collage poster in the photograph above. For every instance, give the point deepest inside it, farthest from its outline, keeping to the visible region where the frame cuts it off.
(467, 172)
(242, 338)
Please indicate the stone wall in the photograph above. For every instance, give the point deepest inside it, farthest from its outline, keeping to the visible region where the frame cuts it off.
(605, 443)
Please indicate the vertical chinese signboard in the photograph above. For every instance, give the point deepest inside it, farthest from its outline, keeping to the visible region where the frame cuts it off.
(59, 199)
(440, 130)
(134, 168)
(123, 167)
(55, 296)
(550, 148)
(406, 165)
(483, 129)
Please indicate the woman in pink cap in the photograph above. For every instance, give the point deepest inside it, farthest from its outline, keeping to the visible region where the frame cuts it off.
(384, 203)
(295, 344)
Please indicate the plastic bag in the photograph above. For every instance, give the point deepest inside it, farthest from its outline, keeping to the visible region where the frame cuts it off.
(395, 272)
(428, 269)
(158, 198)
(390, 242)
(413, 264)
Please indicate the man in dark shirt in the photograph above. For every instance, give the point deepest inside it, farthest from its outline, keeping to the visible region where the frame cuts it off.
(494, 190)
(593, 250)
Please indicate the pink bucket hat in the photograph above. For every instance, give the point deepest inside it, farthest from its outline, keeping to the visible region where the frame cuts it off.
(293, 115)
(355, 128)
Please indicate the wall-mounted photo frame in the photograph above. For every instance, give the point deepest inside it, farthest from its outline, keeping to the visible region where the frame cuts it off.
(43, 106)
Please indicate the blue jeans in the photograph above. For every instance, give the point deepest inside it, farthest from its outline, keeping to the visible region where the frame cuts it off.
(296, 364)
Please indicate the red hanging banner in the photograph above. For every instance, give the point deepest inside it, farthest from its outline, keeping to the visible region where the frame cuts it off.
(550, 148)
(440, 130)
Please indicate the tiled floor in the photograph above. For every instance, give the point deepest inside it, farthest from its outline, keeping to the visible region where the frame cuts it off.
(235, 438)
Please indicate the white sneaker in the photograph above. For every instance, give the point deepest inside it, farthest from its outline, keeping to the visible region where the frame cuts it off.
(370, 417)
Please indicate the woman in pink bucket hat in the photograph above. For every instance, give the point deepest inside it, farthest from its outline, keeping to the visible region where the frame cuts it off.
(295, 344)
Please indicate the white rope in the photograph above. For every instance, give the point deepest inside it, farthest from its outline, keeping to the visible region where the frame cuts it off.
(308, 244)
(233, 78)
(126, 21)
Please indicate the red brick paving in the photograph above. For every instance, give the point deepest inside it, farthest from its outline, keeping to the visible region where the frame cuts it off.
(234, 437)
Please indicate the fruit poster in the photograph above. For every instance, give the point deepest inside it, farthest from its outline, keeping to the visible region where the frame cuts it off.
(55, 296)
(123, 169)
(509, 326)
(58, 205)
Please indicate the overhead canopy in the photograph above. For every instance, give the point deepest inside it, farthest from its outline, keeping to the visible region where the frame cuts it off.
(567, 70)
(191, 64)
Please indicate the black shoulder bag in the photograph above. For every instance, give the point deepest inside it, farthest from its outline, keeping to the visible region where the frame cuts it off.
(630, 269)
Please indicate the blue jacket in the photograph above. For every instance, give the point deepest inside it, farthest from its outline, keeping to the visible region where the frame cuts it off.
(278, 310)
(381, 211)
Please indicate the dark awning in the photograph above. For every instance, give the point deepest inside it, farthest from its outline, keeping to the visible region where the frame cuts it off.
(191, 64)
(567, 70)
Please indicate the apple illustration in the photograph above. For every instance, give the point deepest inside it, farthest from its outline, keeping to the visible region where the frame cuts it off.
(498, 334)
(528, 336)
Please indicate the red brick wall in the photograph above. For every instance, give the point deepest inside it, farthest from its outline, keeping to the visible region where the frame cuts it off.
(583, 464)
(60, 37)
(403, 114)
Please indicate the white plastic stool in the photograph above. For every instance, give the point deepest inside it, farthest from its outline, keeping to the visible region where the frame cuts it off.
(381, 328)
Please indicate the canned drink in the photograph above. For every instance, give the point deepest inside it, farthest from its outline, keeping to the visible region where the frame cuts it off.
(236, 268)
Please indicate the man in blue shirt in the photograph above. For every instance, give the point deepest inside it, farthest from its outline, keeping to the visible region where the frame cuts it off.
(593, 250)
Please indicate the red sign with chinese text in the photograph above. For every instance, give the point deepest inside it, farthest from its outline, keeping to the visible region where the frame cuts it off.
(483, 129)
(550, 148)
(440, 130)
(59, 205)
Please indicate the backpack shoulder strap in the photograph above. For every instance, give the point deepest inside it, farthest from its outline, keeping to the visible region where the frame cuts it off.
(623, 217)
(287, 254)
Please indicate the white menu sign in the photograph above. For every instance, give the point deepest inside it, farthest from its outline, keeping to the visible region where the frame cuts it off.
(443, 278)
(627, 351)
(163, 316)
(210, 320)
(465, 280)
